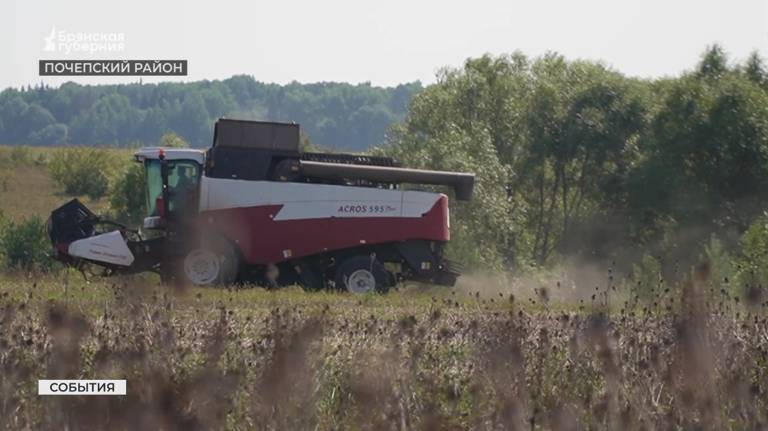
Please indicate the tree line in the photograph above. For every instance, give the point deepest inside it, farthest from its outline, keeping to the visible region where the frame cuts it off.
(333, 115)
(574, 159)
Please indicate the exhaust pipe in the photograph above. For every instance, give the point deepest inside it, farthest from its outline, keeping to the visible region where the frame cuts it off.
(461, 182)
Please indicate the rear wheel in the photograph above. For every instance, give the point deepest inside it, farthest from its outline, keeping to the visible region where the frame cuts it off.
(213, 263)
(363, 274)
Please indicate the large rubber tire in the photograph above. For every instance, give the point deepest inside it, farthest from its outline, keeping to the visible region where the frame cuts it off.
(362, 274)
(214, 262)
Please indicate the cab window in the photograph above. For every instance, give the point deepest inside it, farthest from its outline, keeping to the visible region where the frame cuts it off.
(183, 176)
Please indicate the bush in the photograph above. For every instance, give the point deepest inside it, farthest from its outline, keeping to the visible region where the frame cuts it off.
(173, 140)
(25, 245)
(647, 277)
(83, 171)
(127, 198)
(20, 154)
(720, 263)
(5, 178)
(753, 258)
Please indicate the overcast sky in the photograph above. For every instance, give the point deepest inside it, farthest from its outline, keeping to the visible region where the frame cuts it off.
(384, 42)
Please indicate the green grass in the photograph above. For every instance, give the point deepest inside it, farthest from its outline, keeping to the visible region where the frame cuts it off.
(90, 294)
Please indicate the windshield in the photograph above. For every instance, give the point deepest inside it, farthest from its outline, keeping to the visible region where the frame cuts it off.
(183, 176)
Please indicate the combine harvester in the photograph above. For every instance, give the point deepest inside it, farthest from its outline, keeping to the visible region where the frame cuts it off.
(254, 208)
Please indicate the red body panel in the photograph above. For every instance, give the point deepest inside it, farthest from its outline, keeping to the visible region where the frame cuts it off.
(263, 240)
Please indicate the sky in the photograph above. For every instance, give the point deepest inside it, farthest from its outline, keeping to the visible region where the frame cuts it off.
(383, 42)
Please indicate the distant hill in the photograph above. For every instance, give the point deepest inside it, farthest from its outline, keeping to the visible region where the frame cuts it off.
(334, 115)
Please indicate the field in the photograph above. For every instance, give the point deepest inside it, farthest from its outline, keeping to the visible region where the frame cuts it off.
(473, 357)
(575, 347)
(26, 188)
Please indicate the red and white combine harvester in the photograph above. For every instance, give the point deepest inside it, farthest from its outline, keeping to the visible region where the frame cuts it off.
(254, 208)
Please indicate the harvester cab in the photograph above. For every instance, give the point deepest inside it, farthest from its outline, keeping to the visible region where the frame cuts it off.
(255, 208)
(172, 177)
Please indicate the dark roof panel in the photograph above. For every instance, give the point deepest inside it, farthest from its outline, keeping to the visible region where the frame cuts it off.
(257, 134)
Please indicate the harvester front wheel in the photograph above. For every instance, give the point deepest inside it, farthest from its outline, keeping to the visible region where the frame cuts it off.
(213, 263)
(363, 274)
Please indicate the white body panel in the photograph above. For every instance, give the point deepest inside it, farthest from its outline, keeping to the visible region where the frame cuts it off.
(308, 201)
(108, 247)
